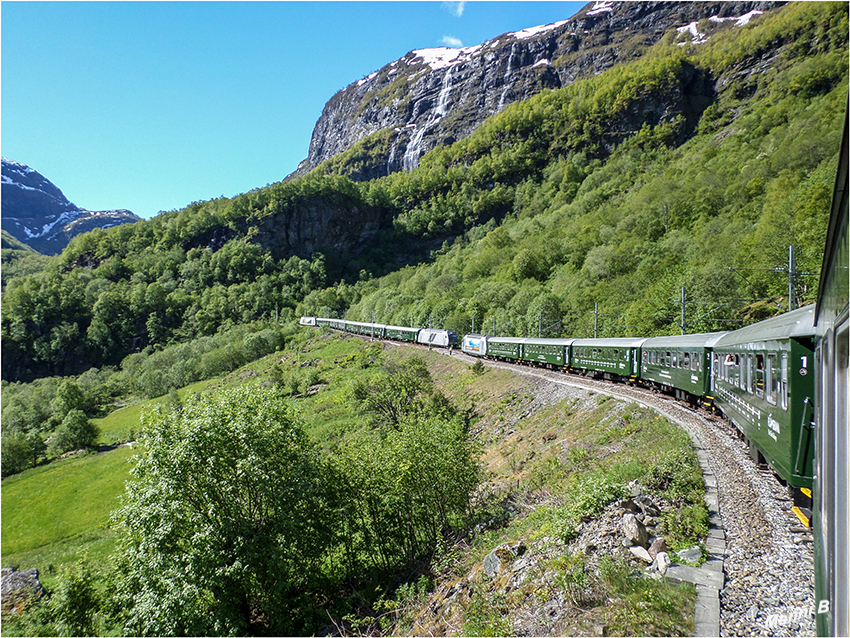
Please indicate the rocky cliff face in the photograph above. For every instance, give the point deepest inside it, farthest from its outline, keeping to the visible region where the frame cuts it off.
(35, 211)
(432, 97)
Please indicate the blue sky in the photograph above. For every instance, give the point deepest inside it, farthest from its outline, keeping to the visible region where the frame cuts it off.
(152, 105)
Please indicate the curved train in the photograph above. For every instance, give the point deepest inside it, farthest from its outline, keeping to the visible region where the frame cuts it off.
(760, 377)
(783, 382)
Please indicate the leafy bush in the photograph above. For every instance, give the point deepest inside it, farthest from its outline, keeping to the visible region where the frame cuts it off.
(229, 515)
(75, 432)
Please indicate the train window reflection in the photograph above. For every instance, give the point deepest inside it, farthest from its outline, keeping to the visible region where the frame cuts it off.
(749, 373)
(772, 375)
(759, 375)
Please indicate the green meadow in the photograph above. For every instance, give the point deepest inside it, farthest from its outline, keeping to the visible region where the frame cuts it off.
(59, 513)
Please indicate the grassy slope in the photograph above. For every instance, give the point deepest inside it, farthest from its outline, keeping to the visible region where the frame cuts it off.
(60, 512)
(537, 447)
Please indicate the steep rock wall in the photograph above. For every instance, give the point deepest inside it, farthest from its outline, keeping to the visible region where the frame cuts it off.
(432, 97)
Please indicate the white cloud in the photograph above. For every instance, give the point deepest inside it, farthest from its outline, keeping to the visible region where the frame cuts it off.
(455, 8)
(449, 41)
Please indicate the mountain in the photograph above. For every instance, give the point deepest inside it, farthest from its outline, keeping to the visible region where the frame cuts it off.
(433, 97)
(37, 213)
(674, 170)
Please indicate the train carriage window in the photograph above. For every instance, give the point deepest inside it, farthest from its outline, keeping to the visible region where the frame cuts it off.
(616, 355)
(748, 374)
(772, 376)
(675, 359)
(759, 376)
(667, 359)
(686, 360)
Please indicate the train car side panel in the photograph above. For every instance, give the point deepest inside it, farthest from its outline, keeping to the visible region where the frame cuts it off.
(547, 352)
(607, 358)
(504, 347)
(764, 383)
(475, 345)
(832, 447)
(400, 333)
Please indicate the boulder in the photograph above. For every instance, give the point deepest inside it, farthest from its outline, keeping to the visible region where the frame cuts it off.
(690, 555)
(634, 530)
(662, 562)
(628, 504)
(647, 506)
(658, 545)
(18, 588)
(641, 553)
(502, 557)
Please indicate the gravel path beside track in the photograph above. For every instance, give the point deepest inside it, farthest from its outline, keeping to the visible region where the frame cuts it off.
(767, 559)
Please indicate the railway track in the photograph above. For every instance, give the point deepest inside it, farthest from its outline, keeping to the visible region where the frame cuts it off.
(763, 552)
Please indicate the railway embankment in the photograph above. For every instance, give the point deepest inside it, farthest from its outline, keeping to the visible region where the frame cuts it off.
(757, 579)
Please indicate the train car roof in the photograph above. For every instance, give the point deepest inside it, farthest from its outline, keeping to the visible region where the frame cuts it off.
(364, 323)
(556, 342)
(797, 323)
(700, 340)
(622, 342)
(508, 339)
(400, 328)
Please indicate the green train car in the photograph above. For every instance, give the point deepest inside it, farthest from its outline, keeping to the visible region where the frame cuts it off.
(550, 353)
(763, 381)
(607, 358)
(375, 330)
(832, 440)
(400, 333)
(505, 348)
(680, 365)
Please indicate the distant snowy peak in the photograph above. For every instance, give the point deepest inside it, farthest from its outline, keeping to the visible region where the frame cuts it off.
(17, 175)
(37, 213)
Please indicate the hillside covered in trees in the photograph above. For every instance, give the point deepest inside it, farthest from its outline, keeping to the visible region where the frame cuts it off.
(695, 167)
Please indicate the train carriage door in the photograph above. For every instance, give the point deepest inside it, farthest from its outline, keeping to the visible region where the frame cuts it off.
(714, 368)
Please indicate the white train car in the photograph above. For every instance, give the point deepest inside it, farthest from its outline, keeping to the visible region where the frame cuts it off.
(435, 337)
